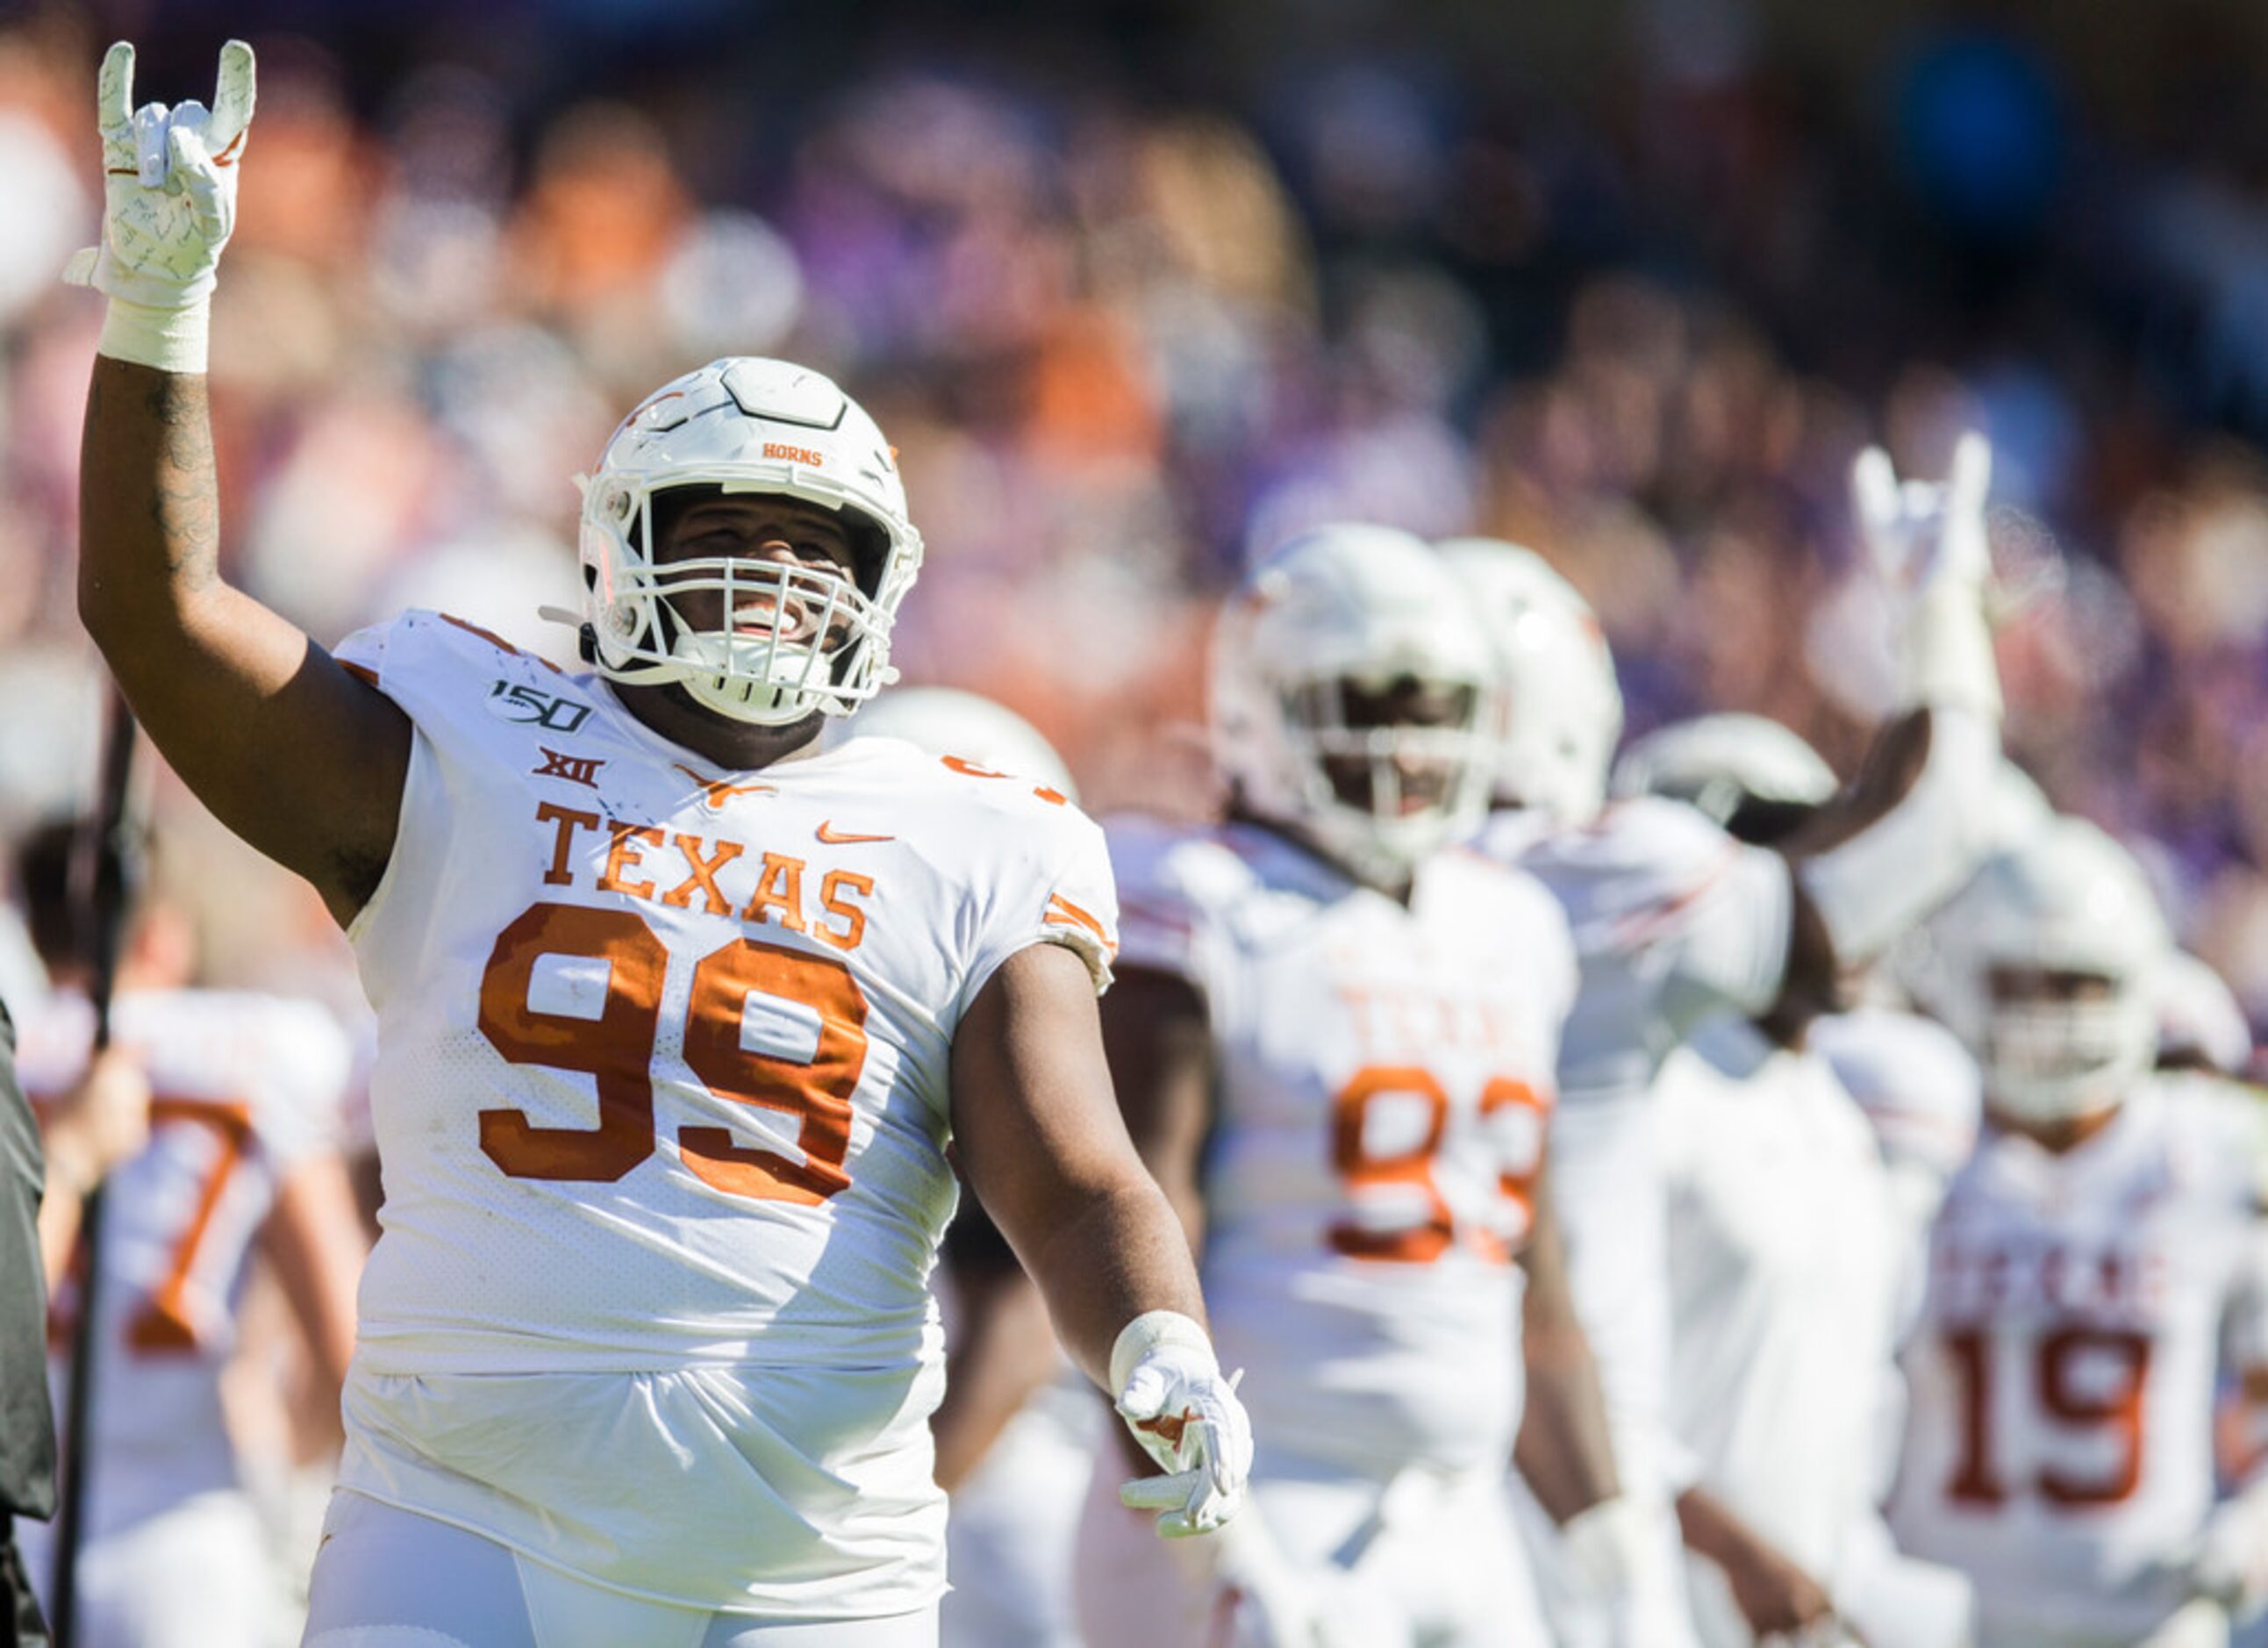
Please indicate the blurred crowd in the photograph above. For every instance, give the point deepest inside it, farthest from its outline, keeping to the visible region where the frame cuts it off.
(1134, 308)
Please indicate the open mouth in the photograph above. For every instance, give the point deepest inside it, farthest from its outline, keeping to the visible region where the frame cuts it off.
(768, 618)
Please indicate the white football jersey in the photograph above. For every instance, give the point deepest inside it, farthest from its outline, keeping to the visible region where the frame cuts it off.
(1784, 1267)
(2080, 1310)
(1383, 1084)
(662, 1087)
(1919, 1089)
(244, 1087)
(1673, 921)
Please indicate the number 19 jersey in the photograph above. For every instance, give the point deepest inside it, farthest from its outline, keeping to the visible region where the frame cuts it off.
(2079, 1310)
(662, 1086)
(1384, 1077)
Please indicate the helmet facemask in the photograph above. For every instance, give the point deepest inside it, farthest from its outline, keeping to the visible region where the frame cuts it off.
(747, 427)
(712, 614)
(2062, 1044)
(1383, 788)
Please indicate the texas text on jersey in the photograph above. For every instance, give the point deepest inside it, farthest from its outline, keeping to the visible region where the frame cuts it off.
(618, 996)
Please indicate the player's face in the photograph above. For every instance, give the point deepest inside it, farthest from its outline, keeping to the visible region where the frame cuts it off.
(1422, 782)
(758, 530)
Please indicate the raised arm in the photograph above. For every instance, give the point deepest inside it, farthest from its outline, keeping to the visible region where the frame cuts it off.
(1039, 1137)
(1910, 832)
(297, 756)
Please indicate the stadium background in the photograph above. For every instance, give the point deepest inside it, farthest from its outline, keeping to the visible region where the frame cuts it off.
(1137, 289)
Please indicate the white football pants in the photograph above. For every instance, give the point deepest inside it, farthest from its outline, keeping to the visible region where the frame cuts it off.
(1008, 1545)
(1436, 1561)
(386, 1578)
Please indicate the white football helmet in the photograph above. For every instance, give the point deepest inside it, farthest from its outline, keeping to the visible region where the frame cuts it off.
(2067, 899)
(1559, 710)
(947, 721)
(2200, 1021)
(748, 424)
(1367, 606)
(1719, 762)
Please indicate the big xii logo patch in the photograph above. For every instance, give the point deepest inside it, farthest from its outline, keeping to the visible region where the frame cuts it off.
(529, 706)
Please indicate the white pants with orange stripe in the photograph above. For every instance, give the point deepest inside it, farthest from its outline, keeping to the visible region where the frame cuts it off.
(387, 1577)
(1427, 1560)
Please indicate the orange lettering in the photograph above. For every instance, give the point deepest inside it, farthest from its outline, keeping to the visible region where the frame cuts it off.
(779, 888)
(567, 821)
(832, 893)
(705, 875)
(624, 857)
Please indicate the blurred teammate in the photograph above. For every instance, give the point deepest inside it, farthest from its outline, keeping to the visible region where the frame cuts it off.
(1017, 1428)
(676, 1016)
(2096, 1268)
(1334, 1040)
(1673, 920)
(1788, 1271)
(241, 1163)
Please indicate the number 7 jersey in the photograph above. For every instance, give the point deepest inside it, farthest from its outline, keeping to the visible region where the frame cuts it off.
(662, 1069)
(2079, 1311)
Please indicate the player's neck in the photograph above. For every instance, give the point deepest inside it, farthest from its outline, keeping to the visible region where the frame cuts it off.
(741, 746)
(2058, 1137)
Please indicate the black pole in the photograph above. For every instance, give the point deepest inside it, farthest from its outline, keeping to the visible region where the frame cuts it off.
(102, 886)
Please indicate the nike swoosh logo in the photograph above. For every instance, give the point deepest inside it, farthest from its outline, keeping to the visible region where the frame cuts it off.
(832, 837)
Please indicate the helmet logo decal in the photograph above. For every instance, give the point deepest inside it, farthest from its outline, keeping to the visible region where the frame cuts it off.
(794, 455)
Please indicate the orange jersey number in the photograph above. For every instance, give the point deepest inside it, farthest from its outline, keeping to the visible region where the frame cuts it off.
(616, 1049)
(163, 1323)
(2084, 1379)
(1412, 1170)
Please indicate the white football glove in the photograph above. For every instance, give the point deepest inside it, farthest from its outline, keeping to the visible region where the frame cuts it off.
(169, 207)
(2231, 1564)
(1186, 1416)
(1621, 1564)
(1928, 542)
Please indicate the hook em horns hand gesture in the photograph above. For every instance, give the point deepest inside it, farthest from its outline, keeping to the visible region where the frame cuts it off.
(169, 206)
(1929, 544)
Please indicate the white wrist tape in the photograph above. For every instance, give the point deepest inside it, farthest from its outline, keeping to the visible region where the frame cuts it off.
(171, 340)
(1893, 873)
(1948, 651)
(1148, 1330)
(1612, 1547)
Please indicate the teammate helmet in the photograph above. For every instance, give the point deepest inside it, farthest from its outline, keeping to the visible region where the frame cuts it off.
(2067, 900)
(1368, 607)
(947, 721)
(1725, 764)
(747, 424)
(2201, 1024)
(1559, 709)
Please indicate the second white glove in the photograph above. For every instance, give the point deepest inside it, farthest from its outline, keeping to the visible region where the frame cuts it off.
(1929, 545)
(1185, 1415)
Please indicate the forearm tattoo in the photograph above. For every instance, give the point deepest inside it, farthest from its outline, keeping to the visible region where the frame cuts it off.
(185, 506)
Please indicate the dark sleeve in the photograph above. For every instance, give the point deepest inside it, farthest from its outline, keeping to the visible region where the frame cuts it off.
(27, 1428)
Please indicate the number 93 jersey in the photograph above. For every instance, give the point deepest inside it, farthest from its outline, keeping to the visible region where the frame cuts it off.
(663, 1058)
(2080, 1310)
(1382, 1080)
